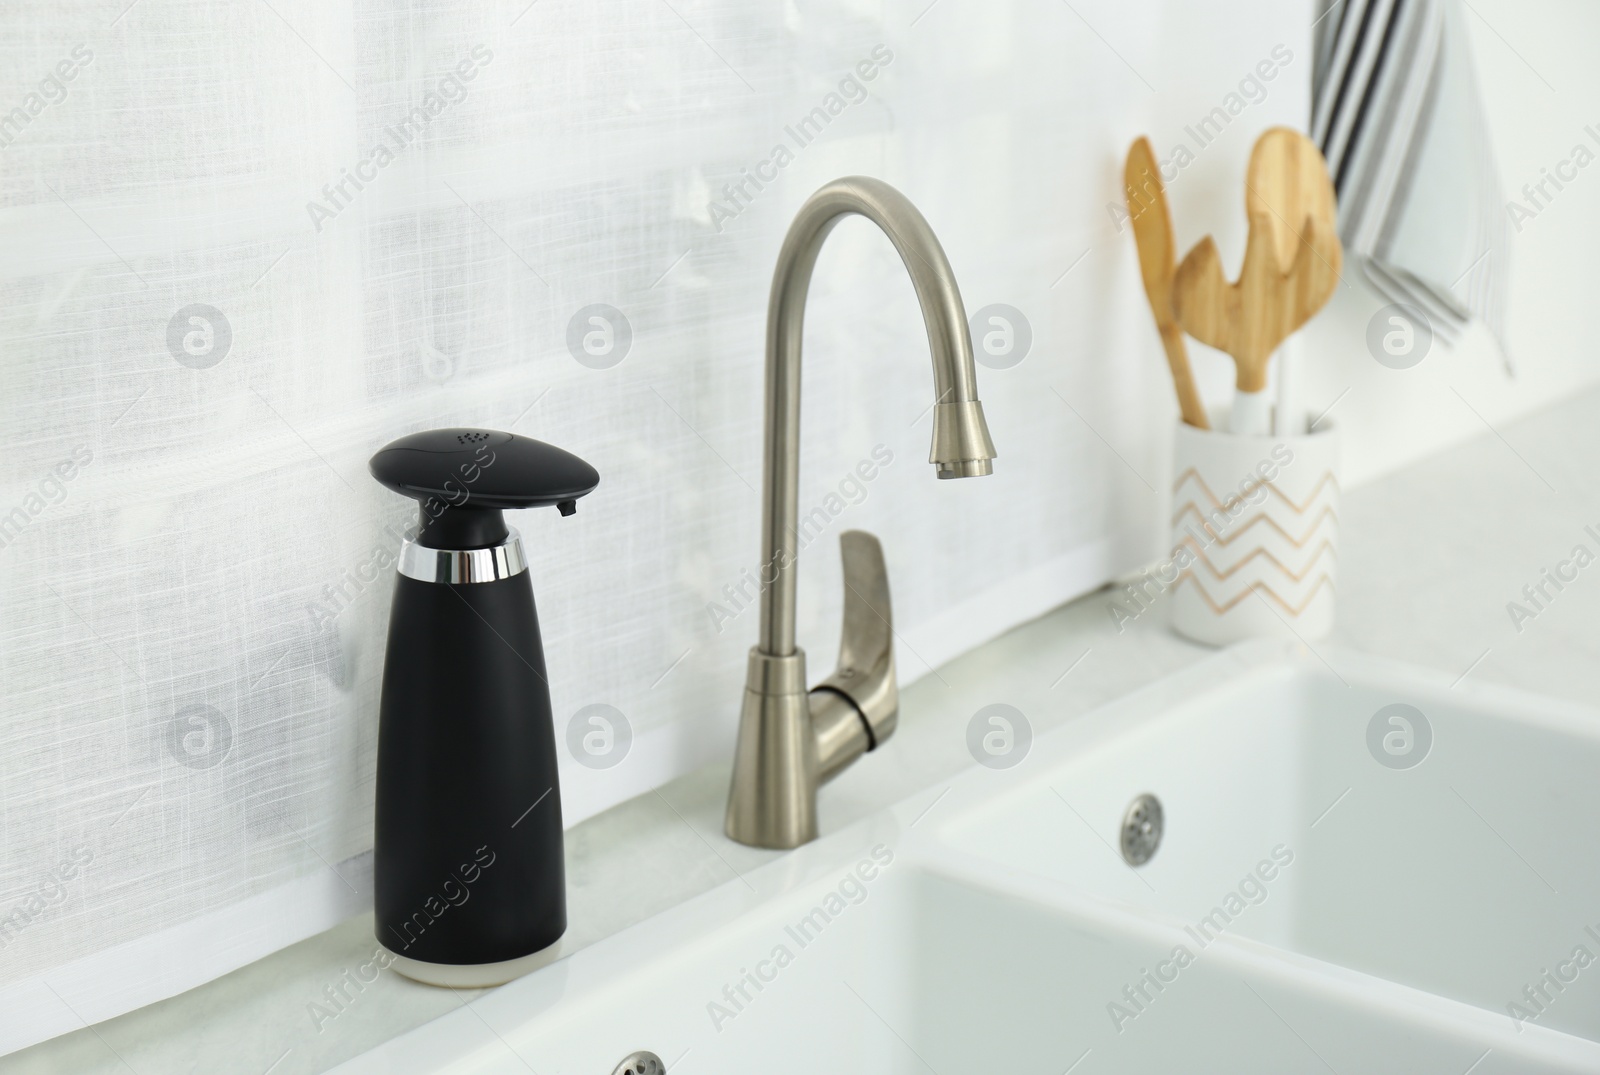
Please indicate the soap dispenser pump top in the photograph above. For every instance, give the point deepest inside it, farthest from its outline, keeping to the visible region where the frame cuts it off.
(464, 478)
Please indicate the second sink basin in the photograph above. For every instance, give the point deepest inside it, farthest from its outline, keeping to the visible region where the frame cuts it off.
(1361, 813)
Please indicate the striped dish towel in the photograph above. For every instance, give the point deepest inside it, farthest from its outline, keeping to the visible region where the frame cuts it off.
(1397, 113)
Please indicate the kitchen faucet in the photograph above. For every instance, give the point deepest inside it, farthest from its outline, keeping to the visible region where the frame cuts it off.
(791, 741)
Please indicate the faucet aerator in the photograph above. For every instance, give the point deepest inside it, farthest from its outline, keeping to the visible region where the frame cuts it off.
(965, 468)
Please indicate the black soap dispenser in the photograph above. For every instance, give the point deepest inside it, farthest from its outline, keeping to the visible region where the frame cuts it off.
(467, 860)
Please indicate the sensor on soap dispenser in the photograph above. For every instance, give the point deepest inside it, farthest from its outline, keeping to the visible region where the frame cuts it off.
(467, 859)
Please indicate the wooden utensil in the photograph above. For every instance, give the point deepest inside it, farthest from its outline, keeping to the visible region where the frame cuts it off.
(1274, 295)
(1289, 179)
(1152, 234)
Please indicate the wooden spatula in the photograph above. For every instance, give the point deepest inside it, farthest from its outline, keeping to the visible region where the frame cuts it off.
(1152, 233)
(1289, 179)
(1289, 273)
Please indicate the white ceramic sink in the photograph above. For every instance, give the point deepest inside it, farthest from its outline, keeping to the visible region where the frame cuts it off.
(1468, 874)
(1310, 908)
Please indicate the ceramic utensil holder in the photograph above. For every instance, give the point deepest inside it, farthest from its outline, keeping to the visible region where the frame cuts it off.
(1255, 522)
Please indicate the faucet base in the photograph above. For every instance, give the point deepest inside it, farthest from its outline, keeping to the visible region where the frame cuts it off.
(773, 801)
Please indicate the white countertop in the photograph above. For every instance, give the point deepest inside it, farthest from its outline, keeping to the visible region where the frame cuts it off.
(1430, 557)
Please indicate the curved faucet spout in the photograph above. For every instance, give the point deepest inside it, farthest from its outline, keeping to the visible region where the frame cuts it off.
(961, 444)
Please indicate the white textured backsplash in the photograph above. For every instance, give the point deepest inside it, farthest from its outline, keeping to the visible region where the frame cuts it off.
(216, 326)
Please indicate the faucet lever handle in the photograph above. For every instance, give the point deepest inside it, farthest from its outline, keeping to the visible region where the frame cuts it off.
(865, 673)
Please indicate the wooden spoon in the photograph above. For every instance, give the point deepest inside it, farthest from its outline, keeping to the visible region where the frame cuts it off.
(1152, 233)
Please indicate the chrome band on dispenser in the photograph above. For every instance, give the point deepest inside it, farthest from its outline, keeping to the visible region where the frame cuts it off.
(458, 566)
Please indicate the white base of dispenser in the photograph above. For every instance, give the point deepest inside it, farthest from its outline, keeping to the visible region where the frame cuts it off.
(473, 975)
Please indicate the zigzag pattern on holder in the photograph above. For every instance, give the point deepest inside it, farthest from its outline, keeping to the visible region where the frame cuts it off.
(1303, 565)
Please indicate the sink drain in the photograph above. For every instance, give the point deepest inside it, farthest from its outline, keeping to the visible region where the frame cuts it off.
(1141, 829)
(642, 1062)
